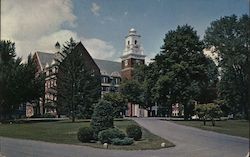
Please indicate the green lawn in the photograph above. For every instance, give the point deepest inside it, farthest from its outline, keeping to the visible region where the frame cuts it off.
(231, 127)
(65, 132)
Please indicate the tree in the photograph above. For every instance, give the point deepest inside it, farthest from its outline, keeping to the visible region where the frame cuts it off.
(78, 88)
(230, 38)
(147, 75)
(208, 111)
(132, 91)
(162, 95)
(102, 118)
(118, 103)
(182, 66)
(18, 81)
(209, 90)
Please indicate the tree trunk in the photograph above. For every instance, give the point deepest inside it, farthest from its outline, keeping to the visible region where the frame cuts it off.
(185, 112)
(170, 110)
(73, 118)
(213, 122)
(204, 122)
(150, 111)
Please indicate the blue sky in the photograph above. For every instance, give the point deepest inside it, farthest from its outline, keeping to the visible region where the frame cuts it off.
(108, 21)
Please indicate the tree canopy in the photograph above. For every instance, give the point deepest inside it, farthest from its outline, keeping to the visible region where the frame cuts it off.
(208, 111)
(230, 38)
(78, 88)
(117, 101)
(18, 80)
(182, 67)
(132, 91)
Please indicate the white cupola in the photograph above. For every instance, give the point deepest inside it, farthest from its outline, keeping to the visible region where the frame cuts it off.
(132, 43)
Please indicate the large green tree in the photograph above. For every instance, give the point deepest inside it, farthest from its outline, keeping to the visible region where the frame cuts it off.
(182, 68)
(229, 37)
(118, 103)
(132, 91)
(147, 75)
(19, 82)
(78, 88)
(209, 89)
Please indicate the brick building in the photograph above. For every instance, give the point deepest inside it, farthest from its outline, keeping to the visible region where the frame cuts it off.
(110, 73)
(107, 71)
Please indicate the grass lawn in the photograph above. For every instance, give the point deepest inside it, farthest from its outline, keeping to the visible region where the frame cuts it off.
(65, 132)
(231, 127)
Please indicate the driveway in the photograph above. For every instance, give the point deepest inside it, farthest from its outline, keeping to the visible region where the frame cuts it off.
(190, 142)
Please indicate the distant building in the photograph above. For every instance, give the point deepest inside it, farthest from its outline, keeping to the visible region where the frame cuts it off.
(111, 73)
(177, 110)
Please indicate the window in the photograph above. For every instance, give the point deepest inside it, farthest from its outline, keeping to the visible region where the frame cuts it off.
(135, 42)
(126, 62)
(128, 42)
(105, 79)
(117, 80)
(105, 88)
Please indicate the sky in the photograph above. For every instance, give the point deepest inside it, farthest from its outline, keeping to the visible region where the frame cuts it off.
(101, 25)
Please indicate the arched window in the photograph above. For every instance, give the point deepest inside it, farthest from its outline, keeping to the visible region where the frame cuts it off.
(135, 42)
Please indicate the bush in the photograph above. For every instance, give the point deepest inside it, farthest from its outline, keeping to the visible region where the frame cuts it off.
(124, 141)
(102, 117)
(134, 131)
(48, 115)
(106, 136)
(85, 134)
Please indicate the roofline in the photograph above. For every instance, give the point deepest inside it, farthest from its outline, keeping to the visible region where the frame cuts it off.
(38, 58)
(80, 43)
(105, 60)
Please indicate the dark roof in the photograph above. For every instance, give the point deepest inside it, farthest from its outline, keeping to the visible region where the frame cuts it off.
(104, 65)
(108, 66)
(45, 57)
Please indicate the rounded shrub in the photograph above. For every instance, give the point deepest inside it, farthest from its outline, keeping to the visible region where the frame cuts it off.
(106, 136)
(124, 141)
(134, 131)
(102, 117)
(85, 134)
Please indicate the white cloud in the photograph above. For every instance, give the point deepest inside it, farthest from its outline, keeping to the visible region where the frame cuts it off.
(95, 9)
(32, 19)
(36, 25)
(148, 58)
(99, 48)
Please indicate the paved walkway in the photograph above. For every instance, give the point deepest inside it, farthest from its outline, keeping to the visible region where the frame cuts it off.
(190, 142)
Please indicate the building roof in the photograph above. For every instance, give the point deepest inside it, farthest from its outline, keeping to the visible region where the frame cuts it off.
(105, 66)
(108, 67)
(45, 58)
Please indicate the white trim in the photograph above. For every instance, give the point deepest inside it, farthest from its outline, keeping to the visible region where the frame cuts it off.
(38, 58)
(135, 56)
(128, 68)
